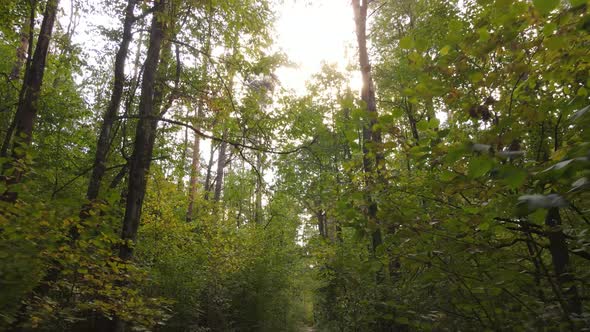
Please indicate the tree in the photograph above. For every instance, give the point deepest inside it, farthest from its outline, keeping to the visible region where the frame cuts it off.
(110, 115)
(372, 155)
(27, 107)
(144, 136)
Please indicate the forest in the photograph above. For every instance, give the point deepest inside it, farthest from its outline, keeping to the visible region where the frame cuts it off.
(156, 176)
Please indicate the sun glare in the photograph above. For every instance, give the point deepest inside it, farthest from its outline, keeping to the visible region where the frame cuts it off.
(312, 33)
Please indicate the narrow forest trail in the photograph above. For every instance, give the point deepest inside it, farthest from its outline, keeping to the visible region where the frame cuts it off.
(308, 329)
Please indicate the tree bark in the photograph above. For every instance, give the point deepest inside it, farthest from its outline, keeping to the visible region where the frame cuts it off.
(371, 136)
(259, 184)
(194, 177)
(28, 106)
(322, 223)
(196, 157)
(25, 117)
(222, 157)
(104, 138)
(209, 169)
(22, 50)
(30, 30)
(144, 143)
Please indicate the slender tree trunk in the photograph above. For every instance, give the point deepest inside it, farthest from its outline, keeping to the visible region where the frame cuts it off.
(183, 157)
(371, 135)
(144, 143)
(196, 157)
(152, 105)
(119, 177)
(412, 121)
(372, 155)
(21, 51)
(322, 223)
(222, 157)
(239, 214)
(209, 170)
(28, 106)
(16, 71)
(194, 177)
(7, 138)
(259, 184)
(104, 138)
(27, 112)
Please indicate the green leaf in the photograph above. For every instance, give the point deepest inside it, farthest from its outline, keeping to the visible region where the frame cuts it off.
(476, 77)
(555, 43)
(576, 3)
(386, 119)
(434, 123)
(545, 6)
(455, 153)
(447, 176)
(406, 43)
(538, 217)
(418, 151)
(397, 112)
(549, 28)
(513, 177)
(402, 320)
(422, 125)
(484, 34)
(445, 50)
(479, 166)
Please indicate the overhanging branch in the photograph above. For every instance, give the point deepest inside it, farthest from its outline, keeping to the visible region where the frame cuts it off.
(217, 139)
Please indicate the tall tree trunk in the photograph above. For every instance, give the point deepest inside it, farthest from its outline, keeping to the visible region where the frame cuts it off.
(194, 176)
(371, 135)
(152, 105)
(221, 159)
(183, 157)
(259, 184)
(196, 157)
(28, 106)
(322, 223)
(144, 143)
(104, 138)
(209, 170)
(372, 155)
(30, 30)
(26, 114)
(21, 51)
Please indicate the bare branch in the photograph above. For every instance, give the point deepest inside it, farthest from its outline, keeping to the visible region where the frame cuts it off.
(217, 139)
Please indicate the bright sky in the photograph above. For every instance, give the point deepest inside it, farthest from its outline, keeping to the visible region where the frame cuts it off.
(309, 32)
(312, 32)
